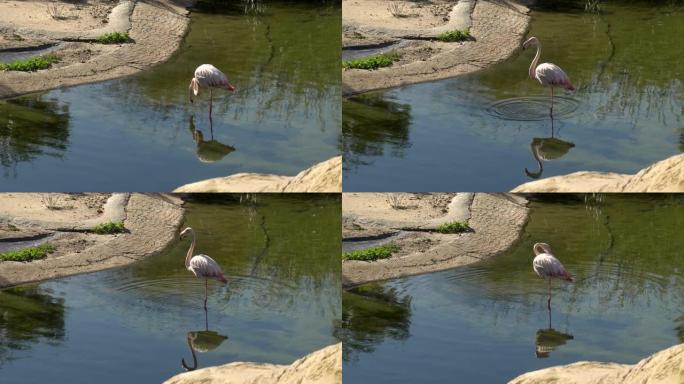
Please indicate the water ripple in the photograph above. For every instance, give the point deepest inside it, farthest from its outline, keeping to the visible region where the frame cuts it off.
(532, 108)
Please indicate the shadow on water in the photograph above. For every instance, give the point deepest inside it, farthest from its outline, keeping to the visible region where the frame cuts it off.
(473, 131)
(31, 128)
(370, 124)
(370, 315)
(29, 315)
(625, 253)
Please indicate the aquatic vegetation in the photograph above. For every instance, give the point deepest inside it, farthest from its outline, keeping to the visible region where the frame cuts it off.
(114, 38)
(28, 254)
(453, 227)
(372, 62)
(109, 227)
(453, 35)
(30, 65)
(374, 253)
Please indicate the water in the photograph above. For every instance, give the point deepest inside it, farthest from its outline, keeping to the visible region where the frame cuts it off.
(478, 132)
(488, 322)
(141, 133)
(132, 324)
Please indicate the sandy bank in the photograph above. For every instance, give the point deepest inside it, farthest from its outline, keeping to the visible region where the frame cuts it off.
(497, 28)
(156, 27)
(321, 367)
(663, 176)
(664, 367)
(322, 177)
(496, 220)
(152, 222)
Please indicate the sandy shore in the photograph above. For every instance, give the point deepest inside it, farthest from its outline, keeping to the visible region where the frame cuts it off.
(496, 220)
(157, 29)
(324, 177)
(664, 367)
(151, 221)
(664, 176)
(320, 367)
(497, 28)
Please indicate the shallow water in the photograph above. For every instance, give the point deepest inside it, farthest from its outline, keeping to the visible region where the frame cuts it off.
(141, 133)
(488, 322)
(478, 132)
(131, 324)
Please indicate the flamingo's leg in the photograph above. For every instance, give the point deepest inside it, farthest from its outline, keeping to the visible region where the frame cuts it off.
(551, 112)
(549, 301)
(206, 288)
(211, 97)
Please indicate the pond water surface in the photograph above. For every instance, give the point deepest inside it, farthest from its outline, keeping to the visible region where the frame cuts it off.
(132, 324)
(480, 131)
(140, 132)
(488, 322)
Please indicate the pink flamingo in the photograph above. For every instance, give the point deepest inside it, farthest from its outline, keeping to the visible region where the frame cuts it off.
(545, 264)
(208, 76)
(202, 265)
(546, 73)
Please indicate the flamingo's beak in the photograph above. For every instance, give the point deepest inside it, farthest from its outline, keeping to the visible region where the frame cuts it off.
(230, 87)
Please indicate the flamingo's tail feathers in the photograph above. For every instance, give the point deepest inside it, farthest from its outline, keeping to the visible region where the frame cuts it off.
(568, 277)
(221, 278)
(569, 86)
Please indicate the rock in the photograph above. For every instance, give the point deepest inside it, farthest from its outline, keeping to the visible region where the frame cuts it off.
(663, 176)
(664, 367)
(321, 367)
(322, 177)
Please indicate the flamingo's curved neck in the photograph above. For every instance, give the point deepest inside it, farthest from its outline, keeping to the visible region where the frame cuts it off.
(535, 153)
(533, 66)
(190, 250)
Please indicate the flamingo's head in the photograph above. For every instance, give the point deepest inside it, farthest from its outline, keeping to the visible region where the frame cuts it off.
(185, 232)
(541, 248)
(531, 41)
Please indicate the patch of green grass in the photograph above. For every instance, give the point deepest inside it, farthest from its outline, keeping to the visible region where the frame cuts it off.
(28, 254)
(114, 38)
(453, 227)
(370, 254)
(372, 62)
(109, 227)
(30, 65)
(454, 35)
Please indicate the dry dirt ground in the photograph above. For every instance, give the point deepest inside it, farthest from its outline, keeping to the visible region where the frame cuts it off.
(496, 27)
(496, 222)
(151, 221)
(156, 27)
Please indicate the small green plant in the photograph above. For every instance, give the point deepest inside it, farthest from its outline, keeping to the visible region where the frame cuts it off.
(30, 65)
(370, 254)
(453, 227)
(114, 38)
(109, 227)
(455, 35)
(28, 254)
(372, 62)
